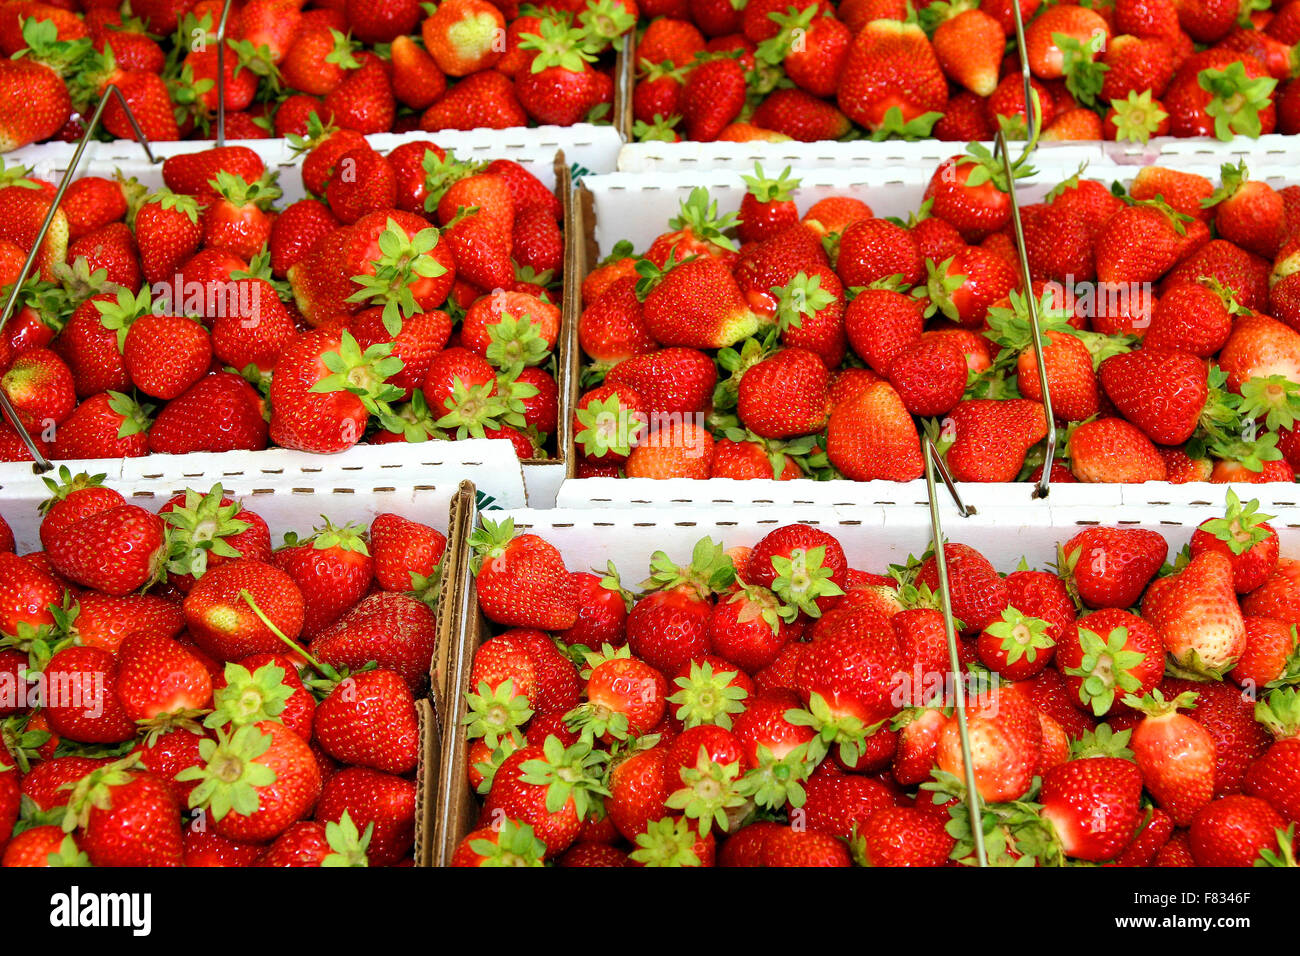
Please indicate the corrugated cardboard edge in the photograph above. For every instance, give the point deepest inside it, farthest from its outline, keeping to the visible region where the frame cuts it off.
(460, 629)
(432, 711)
(568, 361)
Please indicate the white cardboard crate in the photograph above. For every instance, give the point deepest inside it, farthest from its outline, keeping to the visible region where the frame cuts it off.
(590, 148)
(637, 207)
(873, 536)
(292, 490)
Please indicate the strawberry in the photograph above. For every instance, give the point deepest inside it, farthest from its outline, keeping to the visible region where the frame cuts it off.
(522, 581)
(1162, 392)
(244, 800)
(1175, 755)
(1017, 646)
(870, 434)
(880, 325)
(262, 687)
(670, 380)
(40, 388)
(369, 720)
(785, 395)
(1114, 653)
(1267, 657)
(560, 86)
(991, 438)
(712, 96)
(1112, 450)
(1245, 538)
(104, 620)
(372, 800)
(535, 778)
(136, 537)
(168, 232)
(903, 836)
(126, 818)
(1092, 806)
(364, 100)
(1221, 93)
(308, 843)
(670, 626)
(892, 80)
(625, 700)
(1005, 737)
(44, 846)
(1273, 777)
(362, 182)
(90, 203)
(36, 101)
(1242, 274)
(1196, 613)
(1056, 30)
(485, 99)
(1139, 243)
(510, 844)
(417, 80)
(969, 48)
(394, 631)
(1235, 831)
(224, 625)
(406, 554)
(767, 207)
(333, 570)
(978, 209)
(978, 594)
(462, 36)
(191, 174)
(219, 412)
(873, 249)
(88, 710)
(158, 681)
(1248, 212)
(803, 565)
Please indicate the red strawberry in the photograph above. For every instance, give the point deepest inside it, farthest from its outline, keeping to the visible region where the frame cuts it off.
(1112, 450)
(1110, 567)
(892, 79)
(224, 625)
(397, 632)
(127, 818)
(1092, 805)
(1196, 612)
(712, 97)
(522, 580)
(136, 537)
(1175, 755)
(1114, 654)
(368, 799)
(1235, 831)
(903, 836)
(332, 569)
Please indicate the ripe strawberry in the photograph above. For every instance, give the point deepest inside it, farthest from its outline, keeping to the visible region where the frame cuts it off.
(219, 412)
(40, 388)
(991, 438)
(976, 210)
(406, 554)
(978, 594)
(1244, 538)
(1267, 657)
(88, 709)
(137, 538)
(332, 569)
(565, 779)
(396, 632)
(224, 625)
(1139, 243)
(372, 799)
(1114, 654)
(1045, 53)
(1230, 718)
(485, 99)
(1005, 737)
(368, 720)
(1273, 777)
(892, 79)
(36, 101)
(695, 304)
(874, 249)
(278, 798)
(679, 380)
(1112, 450)
(511, 844)
(1196, 613)
(1234, 831)
(1162, 392)
(785, 395)
(159, 681)
(168, 232)
(521, 580)
(1248, 212)
(126, 818)
(1092, 805)
(191, 174)
(1221, 93)
(870, 434)
(712, 96)
(1175, 755)
(1111, 567)
(462, 36)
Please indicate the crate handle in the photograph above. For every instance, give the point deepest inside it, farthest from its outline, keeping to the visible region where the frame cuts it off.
(221, 74)
(1043, 486)
(42, 464)
(933, 464)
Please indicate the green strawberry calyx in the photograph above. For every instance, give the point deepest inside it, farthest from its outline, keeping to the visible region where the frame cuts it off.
(572, 773)
(707, 697)
(710, 570)
(1106, 668)
(515, 844)
(1280, 712)
(1154, 704)
(515, 343)
(199, 527)
(1022, 636)
(1274, 399)
(1102, 741)
(1137, 117)
(847, 732)
(403, 261)
(802, 296)
(249, 697)
(768, 189)
(802, 578)
(1237, 100)
(699, 216)
(710, 794)
(364, 374)
(1242, 526)
(348, 847)
(667, 842)
(558, 45)
(230, 777)
(95, 790)
(496, 713)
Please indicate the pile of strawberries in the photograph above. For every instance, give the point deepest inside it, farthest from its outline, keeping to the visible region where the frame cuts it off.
(389, 65)
(174, 692)
(764, 344)
(810, 70)
(773, 706)
(414, 299)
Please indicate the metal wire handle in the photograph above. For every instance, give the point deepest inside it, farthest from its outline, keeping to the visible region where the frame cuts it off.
(1043, 486)
(221, 74)
(6, 407)
(933, 464)
(1030, 114)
